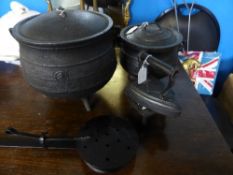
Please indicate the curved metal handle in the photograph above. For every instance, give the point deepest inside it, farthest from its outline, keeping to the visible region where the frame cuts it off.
(39, 138)
(61, 12)
(13, 131)
(155, 63)
(143, 25)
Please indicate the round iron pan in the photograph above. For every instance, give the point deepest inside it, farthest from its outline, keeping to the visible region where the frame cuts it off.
(112, 145)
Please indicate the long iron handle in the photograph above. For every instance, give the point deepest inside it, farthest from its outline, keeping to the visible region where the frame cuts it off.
(22, 139)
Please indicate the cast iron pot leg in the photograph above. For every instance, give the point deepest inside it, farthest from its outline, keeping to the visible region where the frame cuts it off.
(86, 103)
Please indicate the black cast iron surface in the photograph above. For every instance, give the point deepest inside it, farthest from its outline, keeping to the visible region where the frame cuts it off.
(113, 143)
(163, 43)
(189, 144)
(105, 143)
(148, 95)
(61, 56)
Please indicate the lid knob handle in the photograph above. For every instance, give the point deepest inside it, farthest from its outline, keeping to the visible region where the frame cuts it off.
(144, 25)
(150, 26)
(61, 12)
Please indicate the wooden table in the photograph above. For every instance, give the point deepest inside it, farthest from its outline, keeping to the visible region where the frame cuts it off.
(190, 144)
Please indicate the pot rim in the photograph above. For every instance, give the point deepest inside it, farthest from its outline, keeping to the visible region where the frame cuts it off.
(140, 46)
(22, 39)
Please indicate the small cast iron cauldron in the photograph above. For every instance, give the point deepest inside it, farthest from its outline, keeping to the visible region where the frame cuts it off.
(66, 53)
(162, 43)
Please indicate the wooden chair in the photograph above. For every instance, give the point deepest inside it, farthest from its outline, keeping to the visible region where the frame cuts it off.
(120, 15)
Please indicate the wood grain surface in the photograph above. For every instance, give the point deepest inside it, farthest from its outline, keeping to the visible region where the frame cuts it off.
(190, 144)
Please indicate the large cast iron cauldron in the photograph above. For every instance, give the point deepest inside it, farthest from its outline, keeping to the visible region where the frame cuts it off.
(163, 43)
(66, 53)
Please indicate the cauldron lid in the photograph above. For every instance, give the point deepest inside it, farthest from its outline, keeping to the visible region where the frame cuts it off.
(151, 36)
(62, 27)
(113, 143)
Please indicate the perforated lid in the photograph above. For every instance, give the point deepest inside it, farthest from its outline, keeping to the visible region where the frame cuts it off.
(113, 143)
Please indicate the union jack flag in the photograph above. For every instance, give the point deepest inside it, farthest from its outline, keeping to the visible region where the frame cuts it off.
(204, 76)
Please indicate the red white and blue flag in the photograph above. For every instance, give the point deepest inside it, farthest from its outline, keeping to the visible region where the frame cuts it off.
(204, 77)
